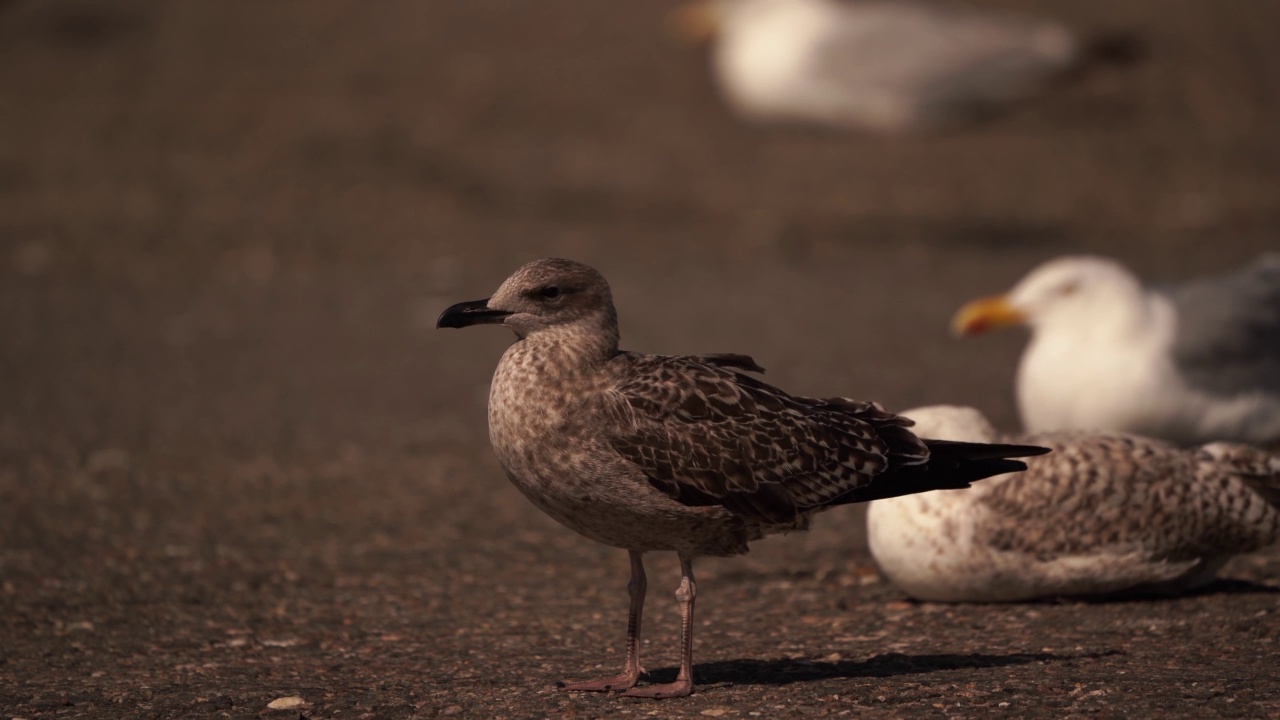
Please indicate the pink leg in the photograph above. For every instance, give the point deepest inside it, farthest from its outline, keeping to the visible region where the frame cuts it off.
(631, 670)
(683, 686)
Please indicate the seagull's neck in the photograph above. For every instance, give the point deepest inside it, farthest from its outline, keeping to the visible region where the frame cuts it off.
(541, 381)
(569, 348)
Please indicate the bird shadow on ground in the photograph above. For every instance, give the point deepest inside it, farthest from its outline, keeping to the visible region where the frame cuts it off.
(785, 671)
(1217, 587)
(1235, 587)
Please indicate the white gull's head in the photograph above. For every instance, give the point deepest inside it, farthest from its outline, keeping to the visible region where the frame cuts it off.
(1072, 292)
(700, 21)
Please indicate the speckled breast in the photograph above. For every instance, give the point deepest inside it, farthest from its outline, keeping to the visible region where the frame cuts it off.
(545, 445)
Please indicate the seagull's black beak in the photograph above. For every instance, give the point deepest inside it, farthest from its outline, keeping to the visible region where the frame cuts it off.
(472, 312)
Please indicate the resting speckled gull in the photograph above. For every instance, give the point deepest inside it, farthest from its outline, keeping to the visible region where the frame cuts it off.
(684, 454)
(1102, 514)
(1192, 363)
(897, 66)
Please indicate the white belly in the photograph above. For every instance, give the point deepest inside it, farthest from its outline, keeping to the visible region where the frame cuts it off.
(932, 547)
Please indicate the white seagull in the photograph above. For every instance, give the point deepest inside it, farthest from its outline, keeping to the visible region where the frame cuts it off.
(895, 67)
(1193, 363)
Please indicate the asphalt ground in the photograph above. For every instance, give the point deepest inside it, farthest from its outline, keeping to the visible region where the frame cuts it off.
(238, 464)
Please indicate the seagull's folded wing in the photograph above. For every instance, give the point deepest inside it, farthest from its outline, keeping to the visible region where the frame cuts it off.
(707, 435)
(1125, 495)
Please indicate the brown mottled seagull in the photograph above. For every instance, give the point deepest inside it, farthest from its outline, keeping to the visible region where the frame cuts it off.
(1105, 513)
(686, 454)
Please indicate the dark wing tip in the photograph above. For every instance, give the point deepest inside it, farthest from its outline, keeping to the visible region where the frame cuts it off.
(983, 451)
(1025, 450)
(1000, 467)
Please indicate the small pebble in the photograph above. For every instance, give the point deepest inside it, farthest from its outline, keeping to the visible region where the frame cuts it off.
(292, 702)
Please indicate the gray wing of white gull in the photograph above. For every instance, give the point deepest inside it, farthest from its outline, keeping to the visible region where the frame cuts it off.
(705, 434)
(1228, 337)
(1127, 495)
(941, 63)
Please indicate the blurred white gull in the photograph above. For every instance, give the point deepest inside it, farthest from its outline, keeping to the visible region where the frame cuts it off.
(1102, 514)
(1191, 363)
(901, 66)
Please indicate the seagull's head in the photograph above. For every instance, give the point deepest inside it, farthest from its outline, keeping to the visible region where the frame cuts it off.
(960, 423)
(544, 294)
(698, 22)
(1074, 291)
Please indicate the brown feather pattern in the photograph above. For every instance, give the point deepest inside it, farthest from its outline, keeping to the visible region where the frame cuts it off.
(1103, 482)
(705, 434)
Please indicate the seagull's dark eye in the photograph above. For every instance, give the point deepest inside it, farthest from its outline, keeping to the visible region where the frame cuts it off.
(550, 292)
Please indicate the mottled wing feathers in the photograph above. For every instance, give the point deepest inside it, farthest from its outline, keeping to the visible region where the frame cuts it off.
(1124, 494)
(704, 434)
(1258, 469)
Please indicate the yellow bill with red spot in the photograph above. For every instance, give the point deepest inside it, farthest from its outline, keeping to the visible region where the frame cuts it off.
(984, 314)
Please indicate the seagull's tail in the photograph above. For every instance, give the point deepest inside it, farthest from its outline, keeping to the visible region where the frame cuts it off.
(951, 466)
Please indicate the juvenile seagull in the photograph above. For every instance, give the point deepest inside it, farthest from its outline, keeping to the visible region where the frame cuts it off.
(684, 453)
(900, 66)
(1102, 514)
(1193, 363)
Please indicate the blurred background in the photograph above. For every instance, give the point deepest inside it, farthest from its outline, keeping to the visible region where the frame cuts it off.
(227, 228)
